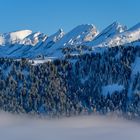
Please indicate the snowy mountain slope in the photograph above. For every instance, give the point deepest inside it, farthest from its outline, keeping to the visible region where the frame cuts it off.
(34, 38)
(78, 35)
(75, 37)
(13, 37)
(32, 46)
(128, 36)
(82, 39)
(111, 30)
(23, 46)
(56, 36)
(42, 48)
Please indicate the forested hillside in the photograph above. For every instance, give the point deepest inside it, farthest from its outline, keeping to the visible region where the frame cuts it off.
(100, 83)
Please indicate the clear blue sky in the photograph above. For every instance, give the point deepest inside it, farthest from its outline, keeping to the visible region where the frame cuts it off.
(49, 15)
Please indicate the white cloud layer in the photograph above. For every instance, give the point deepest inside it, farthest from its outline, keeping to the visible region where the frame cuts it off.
(77, 128)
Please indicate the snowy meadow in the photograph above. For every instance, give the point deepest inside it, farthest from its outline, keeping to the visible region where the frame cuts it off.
(76, 128)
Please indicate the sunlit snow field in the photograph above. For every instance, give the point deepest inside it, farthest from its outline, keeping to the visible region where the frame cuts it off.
(76, 128)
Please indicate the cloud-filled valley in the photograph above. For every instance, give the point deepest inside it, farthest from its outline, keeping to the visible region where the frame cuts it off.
(76, 128)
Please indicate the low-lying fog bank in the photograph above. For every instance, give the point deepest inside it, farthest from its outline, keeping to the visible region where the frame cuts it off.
(75, 128)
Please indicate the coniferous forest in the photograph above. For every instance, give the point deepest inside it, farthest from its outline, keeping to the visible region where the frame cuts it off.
(72, 86)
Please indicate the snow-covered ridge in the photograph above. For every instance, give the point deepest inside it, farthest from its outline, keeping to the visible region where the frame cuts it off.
(14, 37)
(28, 44)
(75, 37)
(113, 29)
(33, 39)
(78, 35)
(126, 36)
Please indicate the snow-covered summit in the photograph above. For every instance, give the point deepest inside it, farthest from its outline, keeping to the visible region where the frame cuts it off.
(117, 39)
(33, 39)
(78, 35)
(13, 37)
(113, 29)
(42, 47)
(81, 39)
(75, 37)
(55, 37)
(81, 33)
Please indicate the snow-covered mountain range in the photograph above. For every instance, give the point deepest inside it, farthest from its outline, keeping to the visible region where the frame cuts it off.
(96, 72)
(82, 39)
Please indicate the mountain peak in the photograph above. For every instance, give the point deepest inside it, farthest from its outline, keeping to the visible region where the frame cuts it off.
(58, 44)
(113, 29)
(80, 34)
(14, 37)
(118, 27)
(115, 23)
(33, 39)
(21, 34)
(60, 30)
(56, 36)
